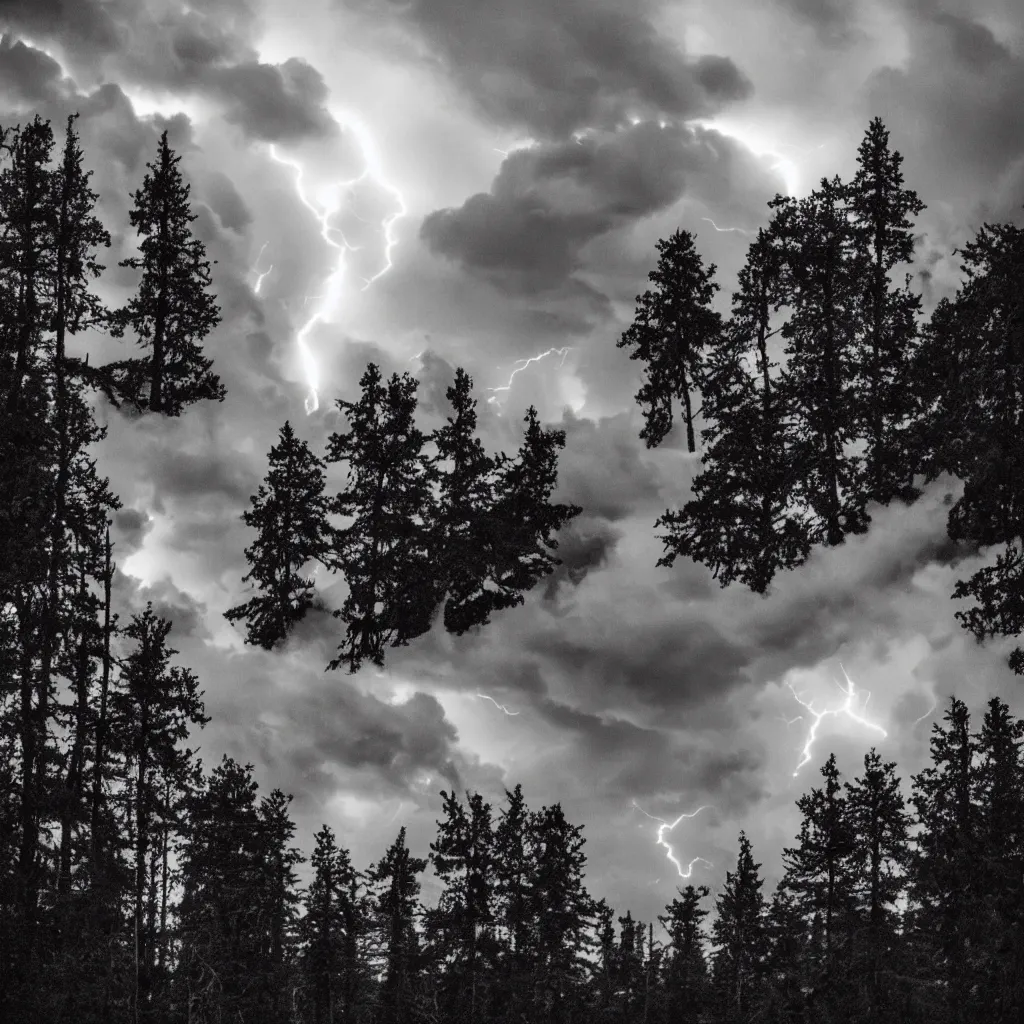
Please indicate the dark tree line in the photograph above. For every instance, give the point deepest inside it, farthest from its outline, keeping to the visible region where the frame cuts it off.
(868, 401)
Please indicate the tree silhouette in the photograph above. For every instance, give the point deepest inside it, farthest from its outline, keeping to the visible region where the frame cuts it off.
(290, 512)
(739, 932)
(881, 210)
(673, 326)
(172, 311)
(742, 523)
(384, 552)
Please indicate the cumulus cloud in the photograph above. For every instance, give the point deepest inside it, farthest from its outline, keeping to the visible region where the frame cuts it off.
(552, 67)
(548, 202)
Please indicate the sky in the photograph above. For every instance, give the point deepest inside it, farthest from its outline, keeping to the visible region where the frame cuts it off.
(495, 177)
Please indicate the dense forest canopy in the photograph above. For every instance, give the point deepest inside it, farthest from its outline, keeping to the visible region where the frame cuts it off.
(136, 885)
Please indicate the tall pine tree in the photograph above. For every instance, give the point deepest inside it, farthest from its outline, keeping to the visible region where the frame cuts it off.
(384, 551)
(172, 312)
(673, 326)
(290, 512)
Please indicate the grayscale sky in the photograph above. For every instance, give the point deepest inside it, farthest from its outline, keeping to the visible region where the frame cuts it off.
(500, 173)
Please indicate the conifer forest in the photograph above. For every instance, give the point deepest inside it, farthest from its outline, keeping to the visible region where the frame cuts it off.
(143, 881)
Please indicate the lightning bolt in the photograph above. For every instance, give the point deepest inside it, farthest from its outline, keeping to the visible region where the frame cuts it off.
(260, 274)
(846, 708)
(500, 707)
(323, 213)
(665, 826)
(742, 231)
(563, 352)
(935, 704)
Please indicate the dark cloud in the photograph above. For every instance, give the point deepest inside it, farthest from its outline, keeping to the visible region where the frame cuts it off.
(27, 74)
(129, 529)
(206, 52)
(584, 544)
(602, 467)
(666, 665)
(553, 67)
(954, 107)
(186, 614)
(311, 739)
(226, 203)
(528, 233)
(833, 21)
(184, 476)
(88, 25)
(274, 102)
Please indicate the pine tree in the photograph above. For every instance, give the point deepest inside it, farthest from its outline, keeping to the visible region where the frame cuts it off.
(943, 893)
(522, 520)
(462, 545)
(739, 933)
(332, 928)
(606, 972)
(172, 311)
(630, 981)
(786, 931)
(515, 903)
(686, 973)
(562, 910)
(384, 552)
(881, 852)
(672, 328)
(462, 857)
(155, 706)
(220, 963)
(396, 908)
(821, 288)
(881, 209)
(26, 212)
(819, 872)
(972, 360)
(290, 512)
(742, 523)
(999, 870)
(277, 901)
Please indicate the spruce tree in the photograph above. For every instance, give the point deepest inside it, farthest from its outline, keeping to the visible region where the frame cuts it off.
(673, 326)
(515, 903)
(396, 909)
(819, 872)
(384, 552)
(943, 879)
(462, 922)
(972, 362)
(630, 981)
(562, 910)
(881, 852)
(999, 871)
(289, 511)
(172, 312)
(332, 928)
(522, 520)
(606, 972)
(882, 211)
(155, 705)
(686, 973)
(277, 900)
(739, 932)
(741, 522)
(219, 973)
(821, 288)
(463, 546)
